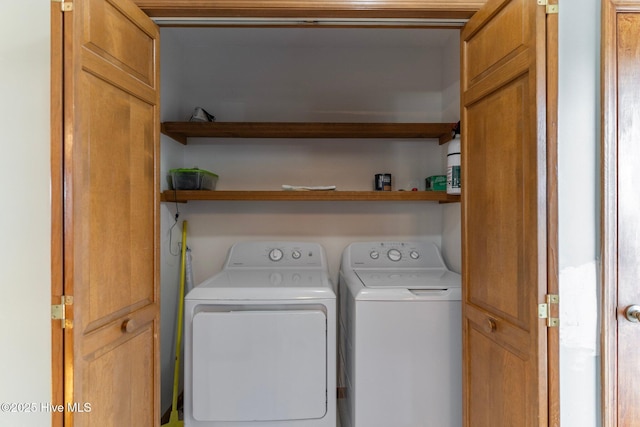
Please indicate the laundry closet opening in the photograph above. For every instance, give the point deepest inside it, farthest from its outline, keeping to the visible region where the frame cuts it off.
(304, 74)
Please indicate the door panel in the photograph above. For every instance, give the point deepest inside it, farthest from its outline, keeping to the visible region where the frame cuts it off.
(109, 34)
(110, 211)
(497, 173)
(504, 215)
(103, 377)
(506, 370)
(509, 26)
(119, 167)
(628, 251)
(620, 221)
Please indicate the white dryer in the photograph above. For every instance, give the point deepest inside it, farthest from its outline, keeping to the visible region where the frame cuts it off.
(260, 340)
(400, 337)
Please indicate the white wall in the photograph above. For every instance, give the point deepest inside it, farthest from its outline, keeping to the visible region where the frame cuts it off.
(25, 213)
(308, 75)
(578, 132)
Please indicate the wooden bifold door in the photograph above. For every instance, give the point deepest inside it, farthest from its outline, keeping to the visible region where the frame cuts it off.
(505, 216)
(110, 205)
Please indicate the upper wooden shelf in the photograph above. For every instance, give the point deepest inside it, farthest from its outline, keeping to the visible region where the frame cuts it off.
(331, 196)
(434, 9)
(181, 131)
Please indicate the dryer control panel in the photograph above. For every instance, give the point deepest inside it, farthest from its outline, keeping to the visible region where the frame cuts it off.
(277, 254)
(394, 255)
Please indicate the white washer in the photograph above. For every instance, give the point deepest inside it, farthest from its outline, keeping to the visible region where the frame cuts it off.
(400, 337)
(260, 340)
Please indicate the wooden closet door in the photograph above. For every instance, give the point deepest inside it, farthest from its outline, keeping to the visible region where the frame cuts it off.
(111, 113)
(504, 215)
(628, 329)
(620, 219)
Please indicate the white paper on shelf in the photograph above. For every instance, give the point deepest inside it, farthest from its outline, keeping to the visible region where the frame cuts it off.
(307, 188)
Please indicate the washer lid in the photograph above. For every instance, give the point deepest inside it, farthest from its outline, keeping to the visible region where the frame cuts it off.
(265, 284)
(409, 279)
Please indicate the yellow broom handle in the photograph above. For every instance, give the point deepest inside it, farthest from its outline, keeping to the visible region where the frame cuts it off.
(176, 369)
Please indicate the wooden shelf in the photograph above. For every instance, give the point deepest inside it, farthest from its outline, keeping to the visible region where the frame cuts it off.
(181, 131)
(332, 196)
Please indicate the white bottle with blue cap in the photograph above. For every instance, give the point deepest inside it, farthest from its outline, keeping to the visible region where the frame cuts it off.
(453, 163)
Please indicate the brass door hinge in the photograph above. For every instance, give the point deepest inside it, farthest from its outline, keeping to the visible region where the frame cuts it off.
(544, 310)
(65, 6)
(59, 311)
(551, 9)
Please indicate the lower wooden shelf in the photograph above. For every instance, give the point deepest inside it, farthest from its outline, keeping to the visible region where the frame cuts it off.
(337, 196)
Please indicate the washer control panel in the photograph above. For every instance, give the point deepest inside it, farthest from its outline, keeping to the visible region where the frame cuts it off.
(394, 255)
(276, 254)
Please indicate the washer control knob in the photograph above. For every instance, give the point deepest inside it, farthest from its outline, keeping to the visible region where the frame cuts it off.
(296, 254)
(374, 255)
(414, 254)
(275, 254)
(394, 255)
